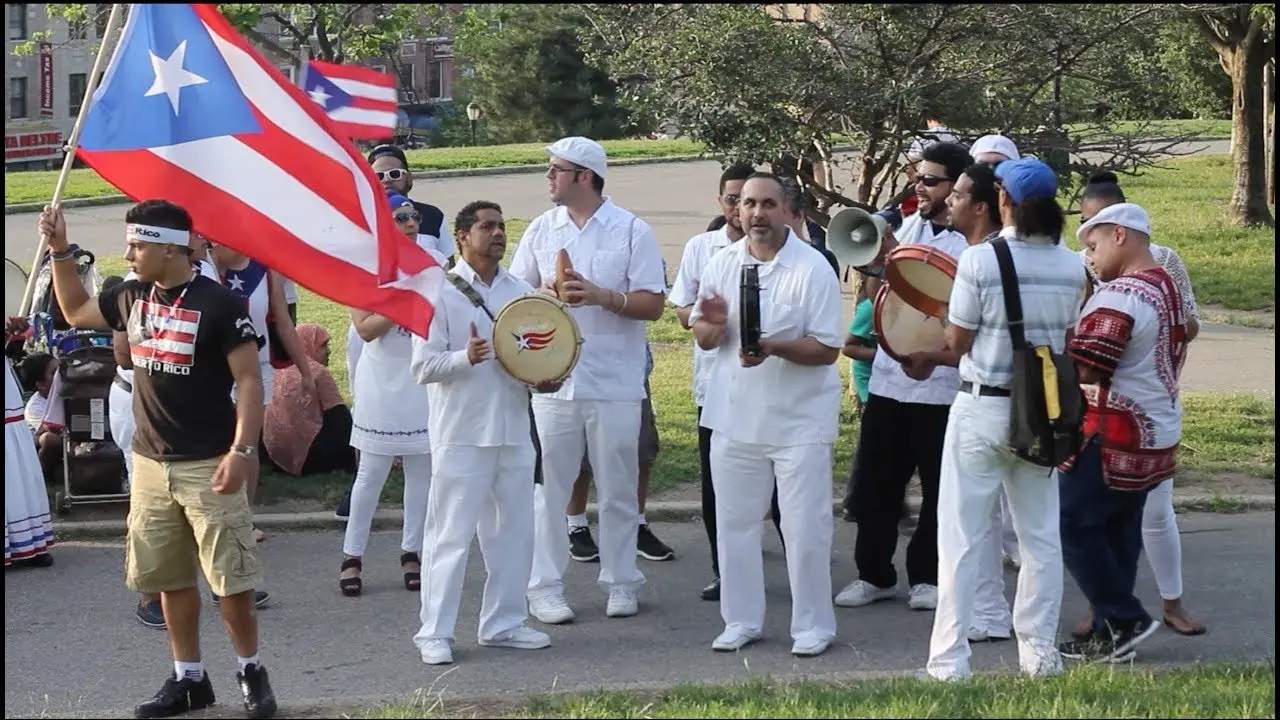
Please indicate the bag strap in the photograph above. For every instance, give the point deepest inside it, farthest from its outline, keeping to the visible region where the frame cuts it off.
(1012, 296)
(465, 288)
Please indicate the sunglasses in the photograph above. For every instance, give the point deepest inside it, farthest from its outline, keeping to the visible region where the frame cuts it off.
(407, 216)
(932, 180)
(393, 174)
(732, 199)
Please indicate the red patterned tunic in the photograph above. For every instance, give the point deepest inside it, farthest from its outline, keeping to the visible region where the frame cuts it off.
(1133, 333)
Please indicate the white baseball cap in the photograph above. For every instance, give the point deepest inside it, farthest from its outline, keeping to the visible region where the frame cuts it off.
(581, 151)
(996, 144)
(1126, 215)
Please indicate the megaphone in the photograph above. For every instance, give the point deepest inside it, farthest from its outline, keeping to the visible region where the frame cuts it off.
(855, 236)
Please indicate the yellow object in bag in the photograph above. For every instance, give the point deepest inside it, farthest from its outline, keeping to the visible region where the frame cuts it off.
(1052, 406)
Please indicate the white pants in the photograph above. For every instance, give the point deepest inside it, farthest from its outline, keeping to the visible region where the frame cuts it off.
(975, 465)
(120, 418)
(743, 476)
(991, 612)
(1161, 540)
(370, 477)
(1008, 536)
(486, 491)
(611, 432)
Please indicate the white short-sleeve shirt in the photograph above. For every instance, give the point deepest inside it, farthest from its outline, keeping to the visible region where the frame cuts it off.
(778, 402)
(697, 253)
(617, 251)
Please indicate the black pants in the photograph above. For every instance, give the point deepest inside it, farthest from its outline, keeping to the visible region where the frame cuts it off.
(897, 440)
(709, 497)
(1102, 540)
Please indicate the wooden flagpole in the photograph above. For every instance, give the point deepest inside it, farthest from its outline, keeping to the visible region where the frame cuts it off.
(105, 47)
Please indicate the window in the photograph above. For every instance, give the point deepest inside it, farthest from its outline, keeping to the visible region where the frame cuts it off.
(77, 29)
(287, 70)
(101, 12)
(437, 79)
(406, 77)
(18, 23)
(17, 98)
(75, 92)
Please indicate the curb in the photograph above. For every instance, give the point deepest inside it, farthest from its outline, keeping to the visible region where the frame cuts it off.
(676, 511)
(31, 207)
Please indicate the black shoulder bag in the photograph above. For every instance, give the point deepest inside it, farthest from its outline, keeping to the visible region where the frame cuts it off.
(1047, 406)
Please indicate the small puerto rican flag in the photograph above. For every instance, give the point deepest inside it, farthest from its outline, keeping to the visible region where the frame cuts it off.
(361, 102)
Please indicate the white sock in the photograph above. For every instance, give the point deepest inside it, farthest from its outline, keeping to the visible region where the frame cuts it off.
(642, 522)
(246, 662)
(193, 671)
(577, 521)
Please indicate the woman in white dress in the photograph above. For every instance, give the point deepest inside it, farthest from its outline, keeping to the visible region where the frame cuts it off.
(28, 530)
(1160, 538)
(389, 420)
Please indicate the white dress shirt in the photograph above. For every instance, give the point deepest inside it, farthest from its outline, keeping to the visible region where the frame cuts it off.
(470, 405)
(778, 402)
(697, 253)
(888, 379)
(615, 250)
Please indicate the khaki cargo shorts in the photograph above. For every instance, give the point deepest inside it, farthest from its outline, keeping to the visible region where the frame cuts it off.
(178, 527)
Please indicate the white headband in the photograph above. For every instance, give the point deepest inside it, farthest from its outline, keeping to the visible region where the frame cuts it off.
(152, 234)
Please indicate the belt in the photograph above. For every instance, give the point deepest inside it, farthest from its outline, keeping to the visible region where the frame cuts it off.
(124, 385)
(985, 390)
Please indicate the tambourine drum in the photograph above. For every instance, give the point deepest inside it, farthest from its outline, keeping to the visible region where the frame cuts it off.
(922, 275)
(902, 329)
(15, 284)
(536, 339)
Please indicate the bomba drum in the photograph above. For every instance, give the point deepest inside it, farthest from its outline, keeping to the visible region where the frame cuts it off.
(902, 330)
(15, 284)
(921, 275)
(536, 339)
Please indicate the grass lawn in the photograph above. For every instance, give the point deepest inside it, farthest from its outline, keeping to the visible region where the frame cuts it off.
(1206, 691)
(1229, 266)
(37, 186)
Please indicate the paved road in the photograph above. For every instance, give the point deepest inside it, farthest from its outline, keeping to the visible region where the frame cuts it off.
(72, 649)
(678, 199)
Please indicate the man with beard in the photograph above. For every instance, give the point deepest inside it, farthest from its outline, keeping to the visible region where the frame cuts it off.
(684, 293)
(905, 420)
(774, 416)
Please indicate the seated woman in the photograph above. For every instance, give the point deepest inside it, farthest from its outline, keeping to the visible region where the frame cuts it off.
(304, 433)
(39, 373)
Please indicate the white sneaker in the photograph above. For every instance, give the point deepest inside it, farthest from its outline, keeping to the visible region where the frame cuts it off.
(436, 651)
(861, 592)
(809, 647)
(520, 638)
(977, 635)
(551, 609)
(733, 639)
(622, 602)
(923, 597)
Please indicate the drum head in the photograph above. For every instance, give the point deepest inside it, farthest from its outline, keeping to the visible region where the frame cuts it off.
(15, 284)
(902, 329)
(536, 339)
(922, 276)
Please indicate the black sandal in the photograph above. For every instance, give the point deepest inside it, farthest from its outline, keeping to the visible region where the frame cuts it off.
(412, 580)
(351, 586)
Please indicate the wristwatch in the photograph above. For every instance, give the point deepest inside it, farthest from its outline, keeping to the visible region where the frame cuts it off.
(244, 450)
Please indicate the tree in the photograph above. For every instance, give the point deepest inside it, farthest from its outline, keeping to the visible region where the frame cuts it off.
(757, 83)
(524, 65)
(1244, 37)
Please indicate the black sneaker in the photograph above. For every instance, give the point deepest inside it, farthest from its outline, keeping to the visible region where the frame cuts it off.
(151, 615)
(1129, 636)
(1098, 647)
(711, 593)
(649, 547)
(582, 547)
(259, 700)
(260, 598)
(177, 697)
(344, 509)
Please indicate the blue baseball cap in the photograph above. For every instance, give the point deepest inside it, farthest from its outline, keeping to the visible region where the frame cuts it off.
(1027, 178)
(397, 200)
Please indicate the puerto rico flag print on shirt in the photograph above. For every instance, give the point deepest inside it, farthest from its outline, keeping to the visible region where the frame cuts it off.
(190, 112)
(168, 338)
(362, 103)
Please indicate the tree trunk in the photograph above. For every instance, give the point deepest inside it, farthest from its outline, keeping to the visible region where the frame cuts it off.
(1269, 90)
(1248, 206)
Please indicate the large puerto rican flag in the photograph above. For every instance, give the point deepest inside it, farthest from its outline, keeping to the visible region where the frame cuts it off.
(190, 112)
(361, 102)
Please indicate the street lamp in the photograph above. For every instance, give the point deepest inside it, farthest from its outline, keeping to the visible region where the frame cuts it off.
(474, 112)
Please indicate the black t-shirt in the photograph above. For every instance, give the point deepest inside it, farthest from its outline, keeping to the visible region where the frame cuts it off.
(181, 383)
